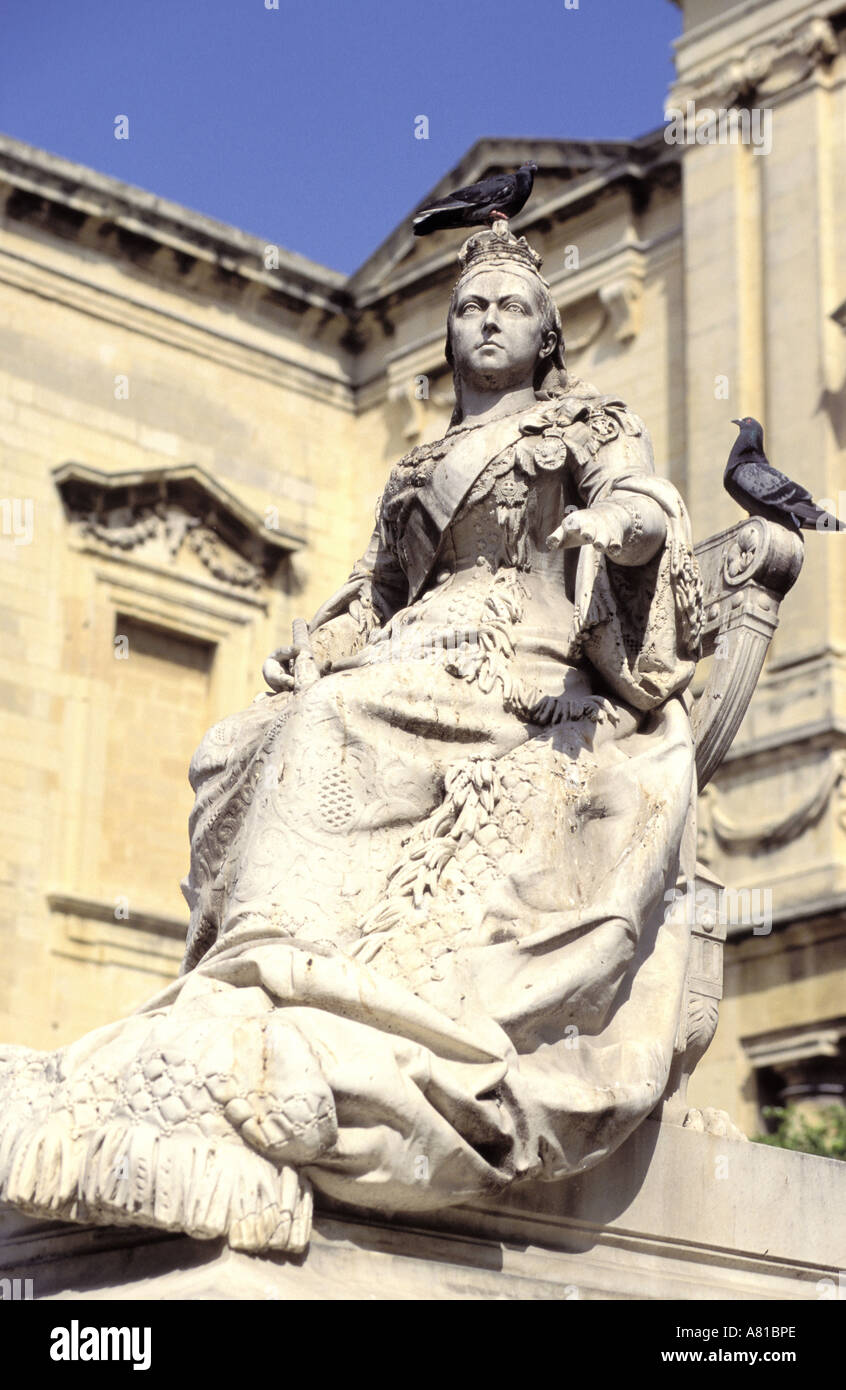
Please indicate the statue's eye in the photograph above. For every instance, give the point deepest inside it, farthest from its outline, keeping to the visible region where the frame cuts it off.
(471, 307)
(515, 307)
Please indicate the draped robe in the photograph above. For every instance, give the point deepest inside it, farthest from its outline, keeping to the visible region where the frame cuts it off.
(430, 951)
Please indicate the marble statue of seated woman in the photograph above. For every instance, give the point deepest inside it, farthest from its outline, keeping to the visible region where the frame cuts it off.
(429, 953)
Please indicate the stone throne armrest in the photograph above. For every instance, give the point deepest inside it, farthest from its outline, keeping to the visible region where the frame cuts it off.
(746, 572)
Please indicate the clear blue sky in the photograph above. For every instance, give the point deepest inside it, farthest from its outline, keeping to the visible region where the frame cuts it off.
(297, 124)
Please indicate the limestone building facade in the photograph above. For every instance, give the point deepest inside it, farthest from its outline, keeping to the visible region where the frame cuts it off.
(195, 426)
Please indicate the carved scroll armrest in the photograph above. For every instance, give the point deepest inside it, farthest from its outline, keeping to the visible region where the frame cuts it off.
(746, 571)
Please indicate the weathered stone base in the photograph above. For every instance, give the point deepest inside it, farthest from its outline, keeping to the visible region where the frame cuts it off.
(673, 1215)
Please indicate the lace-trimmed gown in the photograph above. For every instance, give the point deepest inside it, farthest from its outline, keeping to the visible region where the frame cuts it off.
(430, 890)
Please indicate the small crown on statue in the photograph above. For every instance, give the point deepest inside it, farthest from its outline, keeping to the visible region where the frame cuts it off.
(499, 246)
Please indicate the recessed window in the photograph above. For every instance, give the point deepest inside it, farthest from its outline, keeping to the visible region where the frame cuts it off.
(157, 714)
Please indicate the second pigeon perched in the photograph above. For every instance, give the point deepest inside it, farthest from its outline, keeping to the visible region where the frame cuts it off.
(500, 196)
(762, 490)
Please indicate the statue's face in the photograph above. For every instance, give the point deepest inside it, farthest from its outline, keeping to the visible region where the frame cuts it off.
(497, 330)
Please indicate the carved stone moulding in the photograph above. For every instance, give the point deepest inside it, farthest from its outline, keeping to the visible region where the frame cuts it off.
(801, 1063)
(623, 299)
(756, 834)
(756, 71)
(155, 514)
(752, 552)
(604, 295)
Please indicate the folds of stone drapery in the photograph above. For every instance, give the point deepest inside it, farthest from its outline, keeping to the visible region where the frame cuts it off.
(640, 627)
(516, 1018)
(563, 964)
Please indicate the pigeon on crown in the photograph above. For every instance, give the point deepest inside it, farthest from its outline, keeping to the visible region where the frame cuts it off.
(498, 247)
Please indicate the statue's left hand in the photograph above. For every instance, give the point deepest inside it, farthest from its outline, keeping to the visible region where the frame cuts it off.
(278, 668)
(589, 526)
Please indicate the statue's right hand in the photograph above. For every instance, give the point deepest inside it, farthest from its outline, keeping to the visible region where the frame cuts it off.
(278, 670)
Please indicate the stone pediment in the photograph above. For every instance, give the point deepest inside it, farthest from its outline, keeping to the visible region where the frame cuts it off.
(568, 171)
(168, 516)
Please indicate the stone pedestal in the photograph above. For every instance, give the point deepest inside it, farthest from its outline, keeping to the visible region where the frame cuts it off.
(672, 1215)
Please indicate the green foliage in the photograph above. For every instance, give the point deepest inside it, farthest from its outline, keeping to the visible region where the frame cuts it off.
(824, 1135)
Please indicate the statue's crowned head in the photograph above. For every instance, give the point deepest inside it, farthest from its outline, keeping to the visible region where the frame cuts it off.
(502, 320)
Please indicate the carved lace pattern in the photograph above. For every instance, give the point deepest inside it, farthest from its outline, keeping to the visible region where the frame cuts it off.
(574, 423)
(488, 815)
(688, 592)
(423, 918)
(471, 793)
(487, 660)
(219, 811)
(177, 1133)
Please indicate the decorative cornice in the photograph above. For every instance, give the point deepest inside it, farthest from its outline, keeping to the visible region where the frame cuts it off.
(761, 70)
(795, 1044)
(66, 197)
(169, 508)
(191, 255)
(72, 201)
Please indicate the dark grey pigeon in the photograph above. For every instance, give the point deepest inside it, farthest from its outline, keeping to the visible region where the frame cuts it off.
(502, 195)
(762, 491)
